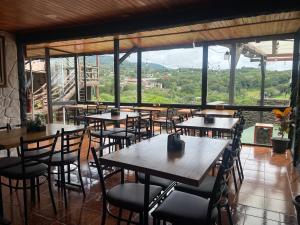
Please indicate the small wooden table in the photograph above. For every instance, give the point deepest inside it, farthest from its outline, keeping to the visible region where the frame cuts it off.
(220, 124)
(12, 139)
(152, 158)
(216, 112)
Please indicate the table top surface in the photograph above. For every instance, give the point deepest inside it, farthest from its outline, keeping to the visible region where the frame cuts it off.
(150, 109)
(217, 112)
(152, 157)
(12, 139)
(220, 123)
(109, 117)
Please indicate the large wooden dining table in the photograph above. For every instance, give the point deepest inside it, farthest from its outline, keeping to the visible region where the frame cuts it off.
(113, 118)
(11, 139)
(151, 157)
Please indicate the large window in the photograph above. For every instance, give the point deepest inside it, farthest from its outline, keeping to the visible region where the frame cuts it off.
(172, 76)
(218, 75)
(128, 78)
(247, 78)
(62, 79)
(95, 77)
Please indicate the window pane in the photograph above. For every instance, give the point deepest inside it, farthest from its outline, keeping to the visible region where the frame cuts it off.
(80, 79)
(247, 78)
(62, 79)
(92, 77)
(128, 77)
(106, 78)
(218, 75)
(172, 76)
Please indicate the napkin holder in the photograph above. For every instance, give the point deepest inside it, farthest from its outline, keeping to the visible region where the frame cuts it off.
(209, 119)
(174, 143)
(115, 112)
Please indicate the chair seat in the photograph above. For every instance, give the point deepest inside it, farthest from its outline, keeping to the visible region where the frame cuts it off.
(68, 158)
(130, 196)
(97, 133)
(116, 129)
(161, 120)
(122, 135)
(36, 153)
(164, 183)
(6, 162)
(204, 189)
(15, 172)
(184, 208)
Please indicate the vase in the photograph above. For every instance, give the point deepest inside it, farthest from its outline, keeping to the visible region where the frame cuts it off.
(280, 145)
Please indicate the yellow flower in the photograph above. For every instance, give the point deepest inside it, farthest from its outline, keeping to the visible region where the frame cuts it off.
(287, 111)
(277, 113)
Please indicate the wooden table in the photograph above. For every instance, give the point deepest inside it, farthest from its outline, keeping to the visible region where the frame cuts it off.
(149, 109)
(152, 158)
(109, 117)
(12, 139)
(221, 124)
(216, 112)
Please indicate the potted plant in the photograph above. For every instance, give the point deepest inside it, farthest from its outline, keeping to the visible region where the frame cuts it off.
(280, 144)
(36, 125)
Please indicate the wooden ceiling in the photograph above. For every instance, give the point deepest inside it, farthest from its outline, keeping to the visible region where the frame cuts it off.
(30, 15)
(272, 24)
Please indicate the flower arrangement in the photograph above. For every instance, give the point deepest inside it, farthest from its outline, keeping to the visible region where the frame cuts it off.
(38, 124)
(283, 119)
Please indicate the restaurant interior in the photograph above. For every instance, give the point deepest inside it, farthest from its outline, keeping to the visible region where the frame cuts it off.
(149, 112)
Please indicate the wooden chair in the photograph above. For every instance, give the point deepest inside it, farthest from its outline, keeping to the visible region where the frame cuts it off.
(32, 164)
(129, 196)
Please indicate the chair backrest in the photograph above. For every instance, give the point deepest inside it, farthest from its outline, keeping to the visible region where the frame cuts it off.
(219, 185)
(35, 149)
(71, 141)
(101, 174)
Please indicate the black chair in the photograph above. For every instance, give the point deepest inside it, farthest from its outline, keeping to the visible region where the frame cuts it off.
(127, 136)
(69, 154)
(129, 196)
(29, 166)
(205, 189)
(164, 119)
(185, 208)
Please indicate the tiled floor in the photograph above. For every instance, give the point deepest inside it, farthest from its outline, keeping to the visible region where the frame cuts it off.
(265, 196)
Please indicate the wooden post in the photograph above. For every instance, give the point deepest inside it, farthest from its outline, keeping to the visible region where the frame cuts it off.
(48, 74)
(232, 74)
(262, 86)
(22, 82)
(76, 77)
(139, 77)
(117, 72)
(204, 76)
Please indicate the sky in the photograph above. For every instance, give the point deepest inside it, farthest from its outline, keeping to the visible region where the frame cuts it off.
(192, 58)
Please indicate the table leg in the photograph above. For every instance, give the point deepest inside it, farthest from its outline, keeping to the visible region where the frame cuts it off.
(3, 221)
(146, 199)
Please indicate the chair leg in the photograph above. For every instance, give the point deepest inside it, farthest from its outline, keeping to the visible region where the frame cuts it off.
(38, 188)
(141, 218)
(239, 172)
(241, 167)
(80, 178)
(120, 216)
(51, 191)
(25, 202)
(103, 214)
(130, 218)
(234, 179)
(229, 214)
(219, 215)
(89, 149)
(63, 185)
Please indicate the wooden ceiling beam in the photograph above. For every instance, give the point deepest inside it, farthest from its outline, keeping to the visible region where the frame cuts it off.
(164, 19)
